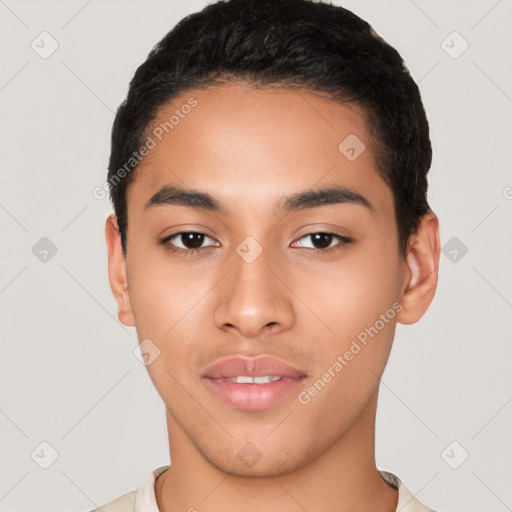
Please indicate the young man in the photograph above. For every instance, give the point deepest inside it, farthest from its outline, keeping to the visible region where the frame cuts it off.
(268, 176)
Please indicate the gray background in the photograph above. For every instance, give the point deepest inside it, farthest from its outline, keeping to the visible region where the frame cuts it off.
(68, 374)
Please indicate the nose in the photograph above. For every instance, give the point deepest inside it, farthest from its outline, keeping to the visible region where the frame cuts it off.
(253, 299)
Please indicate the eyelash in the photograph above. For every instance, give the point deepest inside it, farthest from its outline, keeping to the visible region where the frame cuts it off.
(344, 241)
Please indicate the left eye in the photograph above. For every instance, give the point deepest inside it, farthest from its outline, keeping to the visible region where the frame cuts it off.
(324, 240)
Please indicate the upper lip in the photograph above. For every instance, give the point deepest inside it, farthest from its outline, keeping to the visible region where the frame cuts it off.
(252, 367)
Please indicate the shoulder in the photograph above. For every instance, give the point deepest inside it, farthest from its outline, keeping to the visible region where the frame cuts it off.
(407, 501)
(142, 499)
(125, 503)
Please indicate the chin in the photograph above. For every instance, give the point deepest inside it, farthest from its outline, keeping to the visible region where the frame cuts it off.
(250, 461)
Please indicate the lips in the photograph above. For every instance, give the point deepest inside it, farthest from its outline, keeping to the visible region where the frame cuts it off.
(254, 393)
(252, 367)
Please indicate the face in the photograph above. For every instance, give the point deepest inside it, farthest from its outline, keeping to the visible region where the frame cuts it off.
(315, 281)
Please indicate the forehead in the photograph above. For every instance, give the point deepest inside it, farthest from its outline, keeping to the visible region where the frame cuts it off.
(241, 142)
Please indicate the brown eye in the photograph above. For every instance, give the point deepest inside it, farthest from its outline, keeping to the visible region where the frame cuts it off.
(322, 241)
(190, 241)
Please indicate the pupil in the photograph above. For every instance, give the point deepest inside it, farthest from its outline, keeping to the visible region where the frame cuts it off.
(193, 239)
(324, 239)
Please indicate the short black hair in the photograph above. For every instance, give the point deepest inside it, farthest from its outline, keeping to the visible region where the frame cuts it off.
(302, 44)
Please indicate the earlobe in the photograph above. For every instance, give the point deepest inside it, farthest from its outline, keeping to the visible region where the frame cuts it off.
(421, 270)
(117, 272)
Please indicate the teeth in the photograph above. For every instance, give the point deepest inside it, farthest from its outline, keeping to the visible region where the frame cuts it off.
(253, 380)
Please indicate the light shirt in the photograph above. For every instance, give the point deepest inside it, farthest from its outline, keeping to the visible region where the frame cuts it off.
(143, 499)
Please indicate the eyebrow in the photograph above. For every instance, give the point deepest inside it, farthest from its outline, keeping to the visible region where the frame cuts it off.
(174, 195)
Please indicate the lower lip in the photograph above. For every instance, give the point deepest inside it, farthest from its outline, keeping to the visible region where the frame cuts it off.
(253, 397)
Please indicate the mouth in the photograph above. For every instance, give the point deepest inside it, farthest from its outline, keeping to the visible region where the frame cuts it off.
(253, 384)
(253, 393)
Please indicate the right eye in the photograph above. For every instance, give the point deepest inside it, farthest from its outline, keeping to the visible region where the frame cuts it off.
(190, 240)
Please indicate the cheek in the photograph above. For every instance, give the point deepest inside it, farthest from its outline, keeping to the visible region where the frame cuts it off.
(160, 292)
(167, 306)
(352, 293)
(166, 314)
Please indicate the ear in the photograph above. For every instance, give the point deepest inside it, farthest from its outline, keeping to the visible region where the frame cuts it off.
(421, 270)
(117, 272)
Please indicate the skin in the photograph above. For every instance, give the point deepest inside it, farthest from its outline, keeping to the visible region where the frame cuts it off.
(248, 148)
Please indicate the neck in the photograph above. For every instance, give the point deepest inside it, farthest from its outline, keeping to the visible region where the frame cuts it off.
(344, 478)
